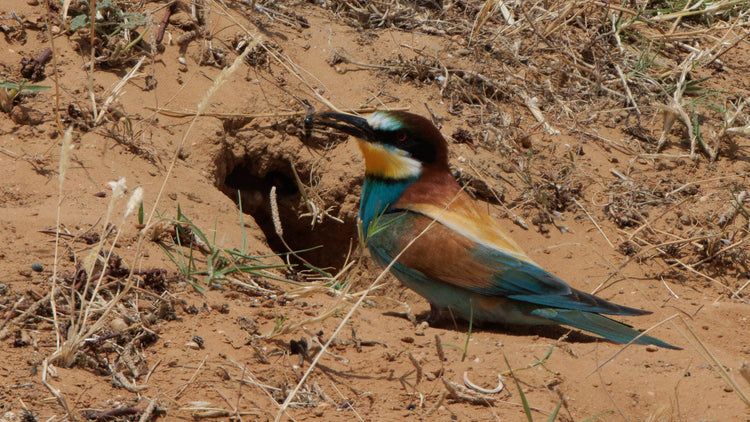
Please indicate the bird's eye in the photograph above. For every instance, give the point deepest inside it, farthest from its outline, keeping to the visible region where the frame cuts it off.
(401, 136)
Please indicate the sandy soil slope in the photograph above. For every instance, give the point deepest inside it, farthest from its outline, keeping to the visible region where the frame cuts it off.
(541, 128)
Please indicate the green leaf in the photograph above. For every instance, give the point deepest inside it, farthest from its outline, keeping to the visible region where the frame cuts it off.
(553, 416)
(23, 87)
(134, 20)
(78, 22)
(524, 402)
(140, 214)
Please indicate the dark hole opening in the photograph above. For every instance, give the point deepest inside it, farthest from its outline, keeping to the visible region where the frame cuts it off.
(332, 238)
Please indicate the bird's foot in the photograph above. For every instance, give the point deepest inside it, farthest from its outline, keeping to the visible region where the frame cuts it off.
(434, 317)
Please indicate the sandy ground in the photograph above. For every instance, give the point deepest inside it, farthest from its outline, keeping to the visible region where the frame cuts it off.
(605, 211)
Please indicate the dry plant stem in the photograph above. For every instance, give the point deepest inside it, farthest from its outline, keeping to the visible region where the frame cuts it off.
(627, 88)
(606, 391)
(349, 314)
(92, 58)
(475, 387)
(489, 9)
(164, 22)
(116, 90)
(711, 358)
(437, 404)
(253, 380)
(420, 371)
(64, 163)
(460, 393)
(58, 121)
(595, 224)
(439, 349)
(79, 329)
(278, 227)
(745, 371)
(711, 279)
(192, 378)
(32, 310)
(10, 314)
(178, 113)
(55, 392)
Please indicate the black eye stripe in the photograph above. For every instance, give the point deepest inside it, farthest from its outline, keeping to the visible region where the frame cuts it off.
(417, 147)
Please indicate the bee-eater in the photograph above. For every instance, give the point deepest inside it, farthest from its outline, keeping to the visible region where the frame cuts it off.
(464, 261)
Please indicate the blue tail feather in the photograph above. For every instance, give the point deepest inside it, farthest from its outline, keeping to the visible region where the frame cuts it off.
(601, 325)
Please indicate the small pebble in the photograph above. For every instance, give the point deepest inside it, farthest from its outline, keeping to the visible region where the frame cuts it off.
(37, 267)
(728, 389)
(420, 328)
(118, 325)
(651, 348)
(192, 345)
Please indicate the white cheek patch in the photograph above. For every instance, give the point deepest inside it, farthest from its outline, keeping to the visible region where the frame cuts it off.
(407, 166)
(380, 120)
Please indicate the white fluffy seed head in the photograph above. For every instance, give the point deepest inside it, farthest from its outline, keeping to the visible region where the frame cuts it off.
(134, 202)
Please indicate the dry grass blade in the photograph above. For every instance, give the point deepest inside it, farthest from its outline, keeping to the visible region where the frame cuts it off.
(64, 164)
(490, 8)
(116, 91)
(745, 371)
(711, 359)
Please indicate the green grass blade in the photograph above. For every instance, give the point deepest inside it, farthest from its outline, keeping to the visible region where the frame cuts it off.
(524, 402)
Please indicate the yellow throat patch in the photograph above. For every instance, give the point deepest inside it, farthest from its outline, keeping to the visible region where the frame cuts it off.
(381, 161)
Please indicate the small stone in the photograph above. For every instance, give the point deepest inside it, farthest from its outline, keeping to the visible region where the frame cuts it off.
(728, 389)
(192, 345)
(26, 116)
(421, 327)
(37, 267)
(118, 325)
(407, 339)
(651, 348)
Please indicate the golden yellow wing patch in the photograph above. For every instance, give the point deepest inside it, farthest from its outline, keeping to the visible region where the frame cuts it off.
(468, 220)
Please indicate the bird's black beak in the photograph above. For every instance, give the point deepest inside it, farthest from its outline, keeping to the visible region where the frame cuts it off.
(353, 125)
